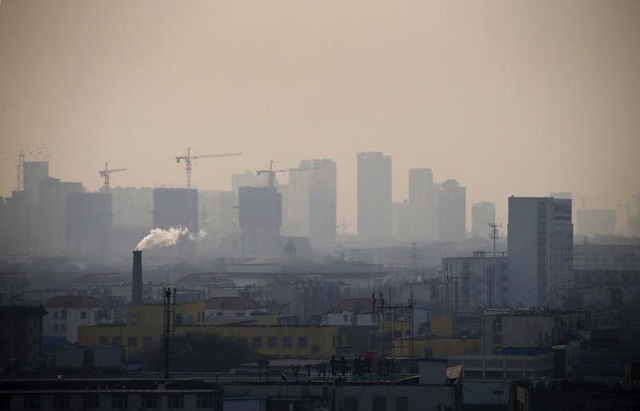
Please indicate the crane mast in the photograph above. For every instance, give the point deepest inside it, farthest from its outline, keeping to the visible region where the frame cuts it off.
(272, 173)
(106, 173)
(188, 161)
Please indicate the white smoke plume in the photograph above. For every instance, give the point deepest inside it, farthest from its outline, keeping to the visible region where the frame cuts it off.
(196, 237)
(161, 238)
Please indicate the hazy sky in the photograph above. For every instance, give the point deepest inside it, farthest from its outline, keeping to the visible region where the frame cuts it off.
(507, 97)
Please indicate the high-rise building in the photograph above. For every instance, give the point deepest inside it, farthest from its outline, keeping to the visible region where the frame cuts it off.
(322, 201)
(402, 224)
(52, 215)
(422, 204)
(482, 214)
(177, 207)
(260, 218)
(218, 212)
(34, 173)
(540, 251)
(452, 200)
(248, 179)
(309, 202)
(88, 225)
(374, 197)
(132, 218)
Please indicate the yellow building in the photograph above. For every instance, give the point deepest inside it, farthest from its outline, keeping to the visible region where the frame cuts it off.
(442, 325)
(439, 348)
(145, 329)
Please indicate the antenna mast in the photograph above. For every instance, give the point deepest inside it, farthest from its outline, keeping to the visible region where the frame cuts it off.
(494, 234)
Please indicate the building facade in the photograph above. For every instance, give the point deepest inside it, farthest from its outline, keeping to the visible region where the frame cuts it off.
(482, 214)
(540, 242)
(471, 282)
(452, 200)
(65, 314)
(374, 197)
(88, 225)
(260, 221)
(422, 204)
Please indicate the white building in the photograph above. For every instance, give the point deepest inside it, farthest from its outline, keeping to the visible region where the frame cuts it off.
(540, 242)
(66, 313)
(223, 308)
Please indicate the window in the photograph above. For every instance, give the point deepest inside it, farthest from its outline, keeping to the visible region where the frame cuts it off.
(315, 348)
(147, 341)
(5, 402)
(204, 401)
(55, 328)
(302, 342)
(31, 402)
(83, 315)
(272, 342)
(150, 401)
(132, 342)
(119, 402)
(117, 340)
(103, 340)
(286, 342)
(256, 342)
(91, 402)
(63, 314)
(402, 404)
(63, 327)
(176, 401)
(61, 401)
(55, 314)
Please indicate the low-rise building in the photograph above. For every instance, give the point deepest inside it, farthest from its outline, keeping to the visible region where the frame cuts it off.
(217, 308)
(67, 313)
(20, 335)
(110, 394)
(566, 395)
(276, 341)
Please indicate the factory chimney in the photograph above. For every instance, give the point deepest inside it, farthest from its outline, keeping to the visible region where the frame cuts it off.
(136, 278)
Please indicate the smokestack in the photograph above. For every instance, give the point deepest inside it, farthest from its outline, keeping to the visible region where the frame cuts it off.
(136, 278)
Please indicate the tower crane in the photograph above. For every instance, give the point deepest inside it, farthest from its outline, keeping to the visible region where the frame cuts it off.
(107, 172)
(188, 160)
(272, 173)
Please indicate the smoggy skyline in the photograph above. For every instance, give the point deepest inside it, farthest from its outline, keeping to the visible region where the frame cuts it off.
(509, 98)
